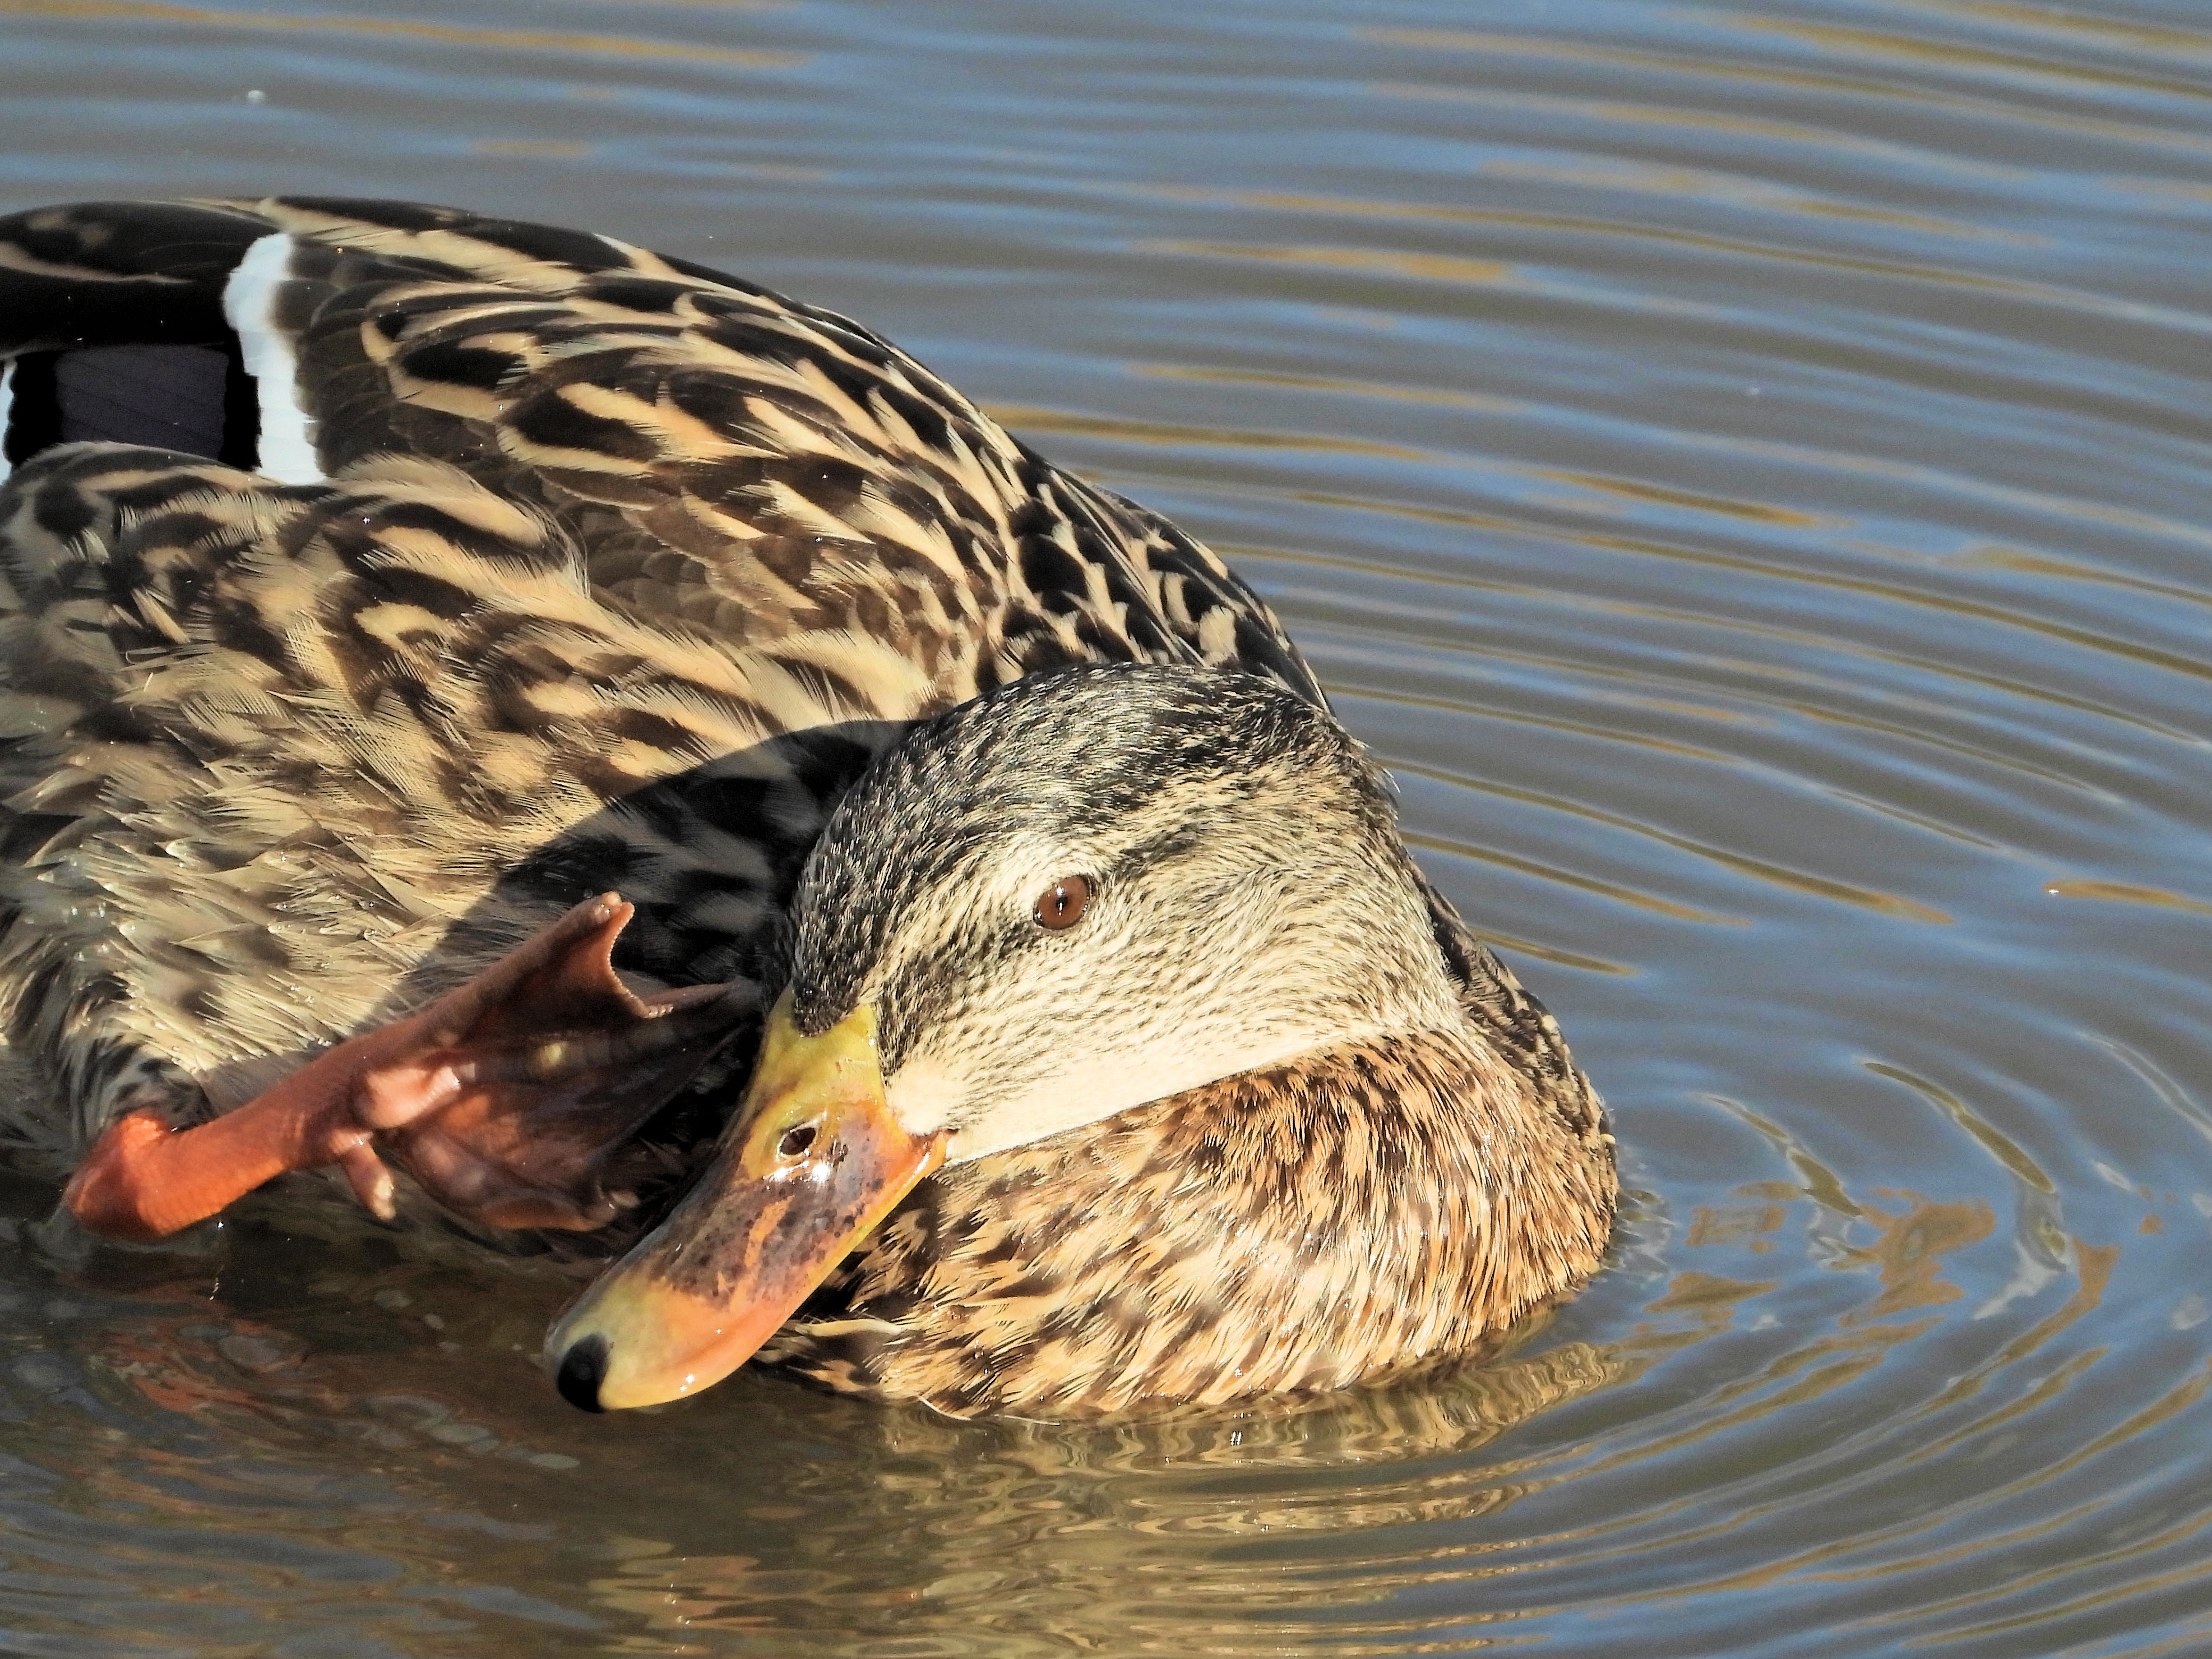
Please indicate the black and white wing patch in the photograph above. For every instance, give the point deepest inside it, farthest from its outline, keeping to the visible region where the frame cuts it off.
(113, 327)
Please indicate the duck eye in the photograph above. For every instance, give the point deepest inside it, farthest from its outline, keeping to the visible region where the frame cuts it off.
(1063, 903)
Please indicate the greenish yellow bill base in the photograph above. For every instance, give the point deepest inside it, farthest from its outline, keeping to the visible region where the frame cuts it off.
(812, 1165)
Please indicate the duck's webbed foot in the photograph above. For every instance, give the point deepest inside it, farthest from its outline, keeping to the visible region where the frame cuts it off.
(504, 1098)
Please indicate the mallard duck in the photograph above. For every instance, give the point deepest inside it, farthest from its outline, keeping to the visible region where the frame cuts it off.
(477, 694)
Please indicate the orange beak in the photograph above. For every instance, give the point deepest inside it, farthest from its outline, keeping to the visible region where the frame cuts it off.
(813, 1164)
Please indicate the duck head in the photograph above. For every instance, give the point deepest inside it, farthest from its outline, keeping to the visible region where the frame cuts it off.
(1081, 893)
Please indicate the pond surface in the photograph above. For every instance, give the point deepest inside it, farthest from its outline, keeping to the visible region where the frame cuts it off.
(1744, 470)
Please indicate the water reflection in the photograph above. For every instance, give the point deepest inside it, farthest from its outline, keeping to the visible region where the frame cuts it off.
(508, 40)
(395, 1403)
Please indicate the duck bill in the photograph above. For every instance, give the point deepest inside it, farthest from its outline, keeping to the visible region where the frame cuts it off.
(813, 1164)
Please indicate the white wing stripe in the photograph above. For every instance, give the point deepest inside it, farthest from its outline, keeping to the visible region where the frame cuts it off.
(287, 442)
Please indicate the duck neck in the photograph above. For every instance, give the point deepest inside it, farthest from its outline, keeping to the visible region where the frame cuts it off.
(1303, 1225)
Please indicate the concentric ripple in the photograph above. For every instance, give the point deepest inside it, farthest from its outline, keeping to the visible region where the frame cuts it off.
(1743, 467)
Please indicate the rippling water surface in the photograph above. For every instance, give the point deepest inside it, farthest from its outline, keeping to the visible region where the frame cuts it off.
(1743, 468)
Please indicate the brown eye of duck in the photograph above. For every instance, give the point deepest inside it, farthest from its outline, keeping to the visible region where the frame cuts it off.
(1063, 903)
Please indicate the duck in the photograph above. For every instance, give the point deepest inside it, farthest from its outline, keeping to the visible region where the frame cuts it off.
(578, 747)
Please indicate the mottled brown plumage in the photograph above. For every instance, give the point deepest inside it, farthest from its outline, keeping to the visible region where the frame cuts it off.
(1304, 1227)
(599, 570)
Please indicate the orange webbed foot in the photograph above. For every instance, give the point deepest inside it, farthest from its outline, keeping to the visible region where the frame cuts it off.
(503, 1099)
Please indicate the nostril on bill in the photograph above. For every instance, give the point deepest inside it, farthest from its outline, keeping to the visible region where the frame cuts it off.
(583, 1370)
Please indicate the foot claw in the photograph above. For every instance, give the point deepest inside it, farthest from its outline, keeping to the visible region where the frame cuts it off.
(371, 1181)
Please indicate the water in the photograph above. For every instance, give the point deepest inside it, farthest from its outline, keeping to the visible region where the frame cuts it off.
(1744, 470)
